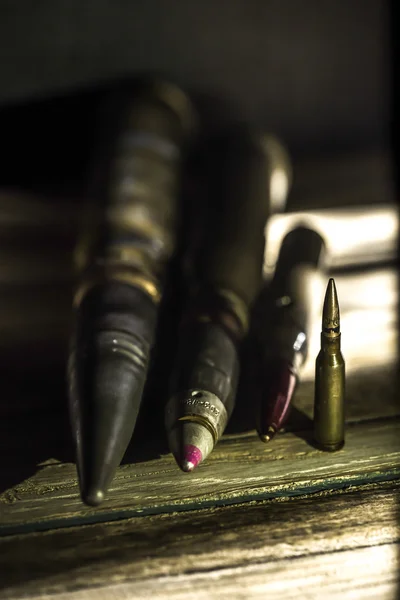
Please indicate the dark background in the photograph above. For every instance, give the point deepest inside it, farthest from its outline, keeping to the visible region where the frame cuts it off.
(317, 72)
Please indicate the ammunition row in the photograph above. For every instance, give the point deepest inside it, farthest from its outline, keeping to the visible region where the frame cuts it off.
(130, 235)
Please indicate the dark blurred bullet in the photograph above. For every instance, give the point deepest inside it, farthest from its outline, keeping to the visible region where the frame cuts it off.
(229, 277)
(282, 322)
(130, 237)
(329, 408)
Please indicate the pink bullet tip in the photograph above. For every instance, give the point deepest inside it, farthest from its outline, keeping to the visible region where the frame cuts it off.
(191, 457)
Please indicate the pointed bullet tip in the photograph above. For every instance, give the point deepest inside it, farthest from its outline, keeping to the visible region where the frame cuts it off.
(267, 437)
(331, 289)
(187, 466)
(190, 443)
(330, 311)
(192, 457)
(107, 391)
(93, 497)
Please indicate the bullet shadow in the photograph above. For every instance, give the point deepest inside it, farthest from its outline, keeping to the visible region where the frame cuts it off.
(34, 422)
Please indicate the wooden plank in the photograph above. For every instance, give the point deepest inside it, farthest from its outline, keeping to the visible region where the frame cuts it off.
(35, 432)
(365, 573)
(34, 423)
(345, 541)
(240, 469)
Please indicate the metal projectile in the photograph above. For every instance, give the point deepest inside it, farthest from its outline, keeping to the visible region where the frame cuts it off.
(130, 240)
(198, 412)
(108, 364)
(250, 175)
(282, 320)
(329, 401)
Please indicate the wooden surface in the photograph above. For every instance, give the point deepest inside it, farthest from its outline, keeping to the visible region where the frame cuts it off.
(245, 551)
(241, 468)
(254, 520)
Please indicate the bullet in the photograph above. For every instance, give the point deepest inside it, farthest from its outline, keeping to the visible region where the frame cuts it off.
(228, 276)
(329, 415)
(129, 239)
(198, 412)
(282, 319)
(249, 177)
